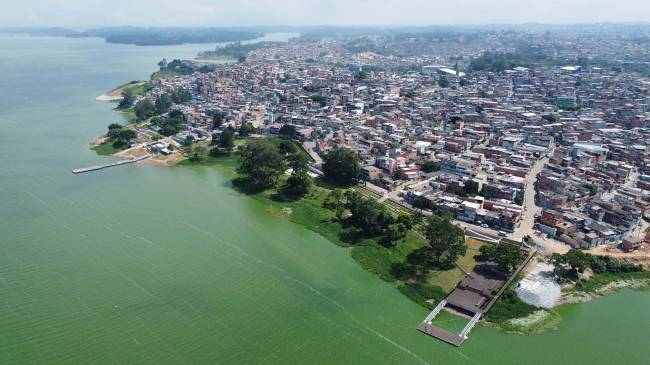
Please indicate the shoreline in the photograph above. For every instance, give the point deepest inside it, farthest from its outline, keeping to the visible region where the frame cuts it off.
(537, 322)
(534, 322)
(107, 97)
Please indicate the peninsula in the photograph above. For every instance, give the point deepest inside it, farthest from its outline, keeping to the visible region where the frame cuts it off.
(452, 167)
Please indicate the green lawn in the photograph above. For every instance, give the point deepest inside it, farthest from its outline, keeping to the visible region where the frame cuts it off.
(107, 149)
(599, 280)
(164, 74)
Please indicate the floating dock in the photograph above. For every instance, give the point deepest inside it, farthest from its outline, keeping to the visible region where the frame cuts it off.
(112, 164)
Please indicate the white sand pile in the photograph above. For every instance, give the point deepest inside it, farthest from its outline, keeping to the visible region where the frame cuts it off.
(539, 287)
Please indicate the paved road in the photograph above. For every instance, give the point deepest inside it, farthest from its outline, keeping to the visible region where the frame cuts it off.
(531, 210)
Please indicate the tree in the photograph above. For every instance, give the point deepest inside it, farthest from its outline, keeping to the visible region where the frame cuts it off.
(188, 141)
(180, 96)
(430, 166)
(171, 125)
(341, 167)
(572, 263)
(287, 147)
(368, 214)
(336, 201)
(120, 136)
(421, 202)
(144, 109)
(297, 184)
(262, 163)
(471, 187)
(484, 192)
(197, 153)
(507, 256)
(246, 129)
(163, 103)
(227, 139)
(297, 161)
(287, 131)
(446, 240)
(217, 120)
(319, 99)
(127, 100)
(443, 82)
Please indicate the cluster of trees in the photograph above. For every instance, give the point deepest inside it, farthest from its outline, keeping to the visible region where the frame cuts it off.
(223, 142)
(165, 101)
(421, 202)
(287, 131)
(524, 55)
(144, 109)
(367, 214)
(127, 99)
(218, 119)
(430, 166)
(246, 129)
(341, 167)
(507, 256)
(177, 66)
(574, 262)
(446, 243)
(120, 136)
(235, 51)
(170, 125)
(318, 99)
(146, 36)
(196, 153)
(446, 240)
(264, 160)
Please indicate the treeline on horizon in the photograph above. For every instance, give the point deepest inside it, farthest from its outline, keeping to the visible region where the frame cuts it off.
(141, 36)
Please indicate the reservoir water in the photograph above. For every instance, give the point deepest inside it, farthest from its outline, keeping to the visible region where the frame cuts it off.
(139, 264)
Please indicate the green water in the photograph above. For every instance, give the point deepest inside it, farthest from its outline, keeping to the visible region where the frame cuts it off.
(138, 264)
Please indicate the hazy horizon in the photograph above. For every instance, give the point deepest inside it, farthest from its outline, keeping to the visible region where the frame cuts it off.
(216, 13)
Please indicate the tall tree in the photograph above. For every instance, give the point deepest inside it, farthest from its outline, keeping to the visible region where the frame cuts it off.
(144, 109)
(341, 167)
(298, 184)
(246, 129)
(217, 120)
(163, 103)
(262, 163)
(447, 241)
(227, 139)
(287, 131)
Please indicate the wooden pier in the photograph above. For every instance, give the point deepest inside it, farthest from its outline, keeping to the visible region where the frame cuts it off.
(468, 297)
(112, 164)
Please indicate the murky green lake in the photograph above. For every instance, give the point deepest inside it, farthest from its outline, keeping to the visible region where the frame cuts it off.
(139, 265)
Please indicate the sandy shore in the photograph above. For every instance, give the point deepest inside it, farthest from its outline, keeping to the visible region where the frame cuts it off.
(108, 97)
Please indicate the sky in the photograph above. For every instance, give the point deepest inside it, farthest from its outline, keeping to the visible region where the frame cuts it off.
(93, 13)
